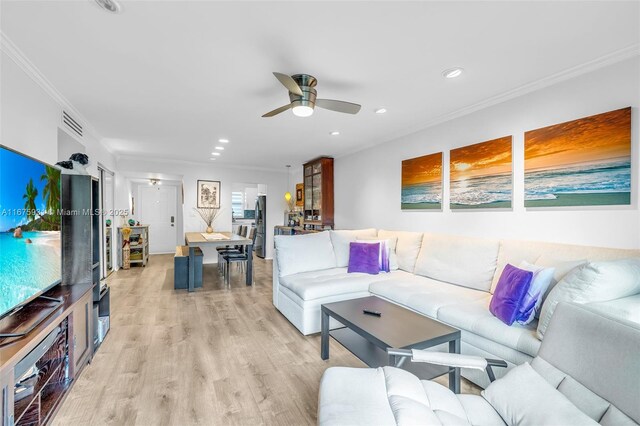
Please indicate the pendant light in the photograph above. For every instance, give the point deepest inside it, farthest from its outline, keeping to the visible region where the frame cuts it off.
(287, 195)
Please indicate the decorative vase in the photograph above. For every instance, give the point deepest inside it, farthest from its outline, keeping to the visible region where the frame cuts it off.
(132, 222)
(209, 230)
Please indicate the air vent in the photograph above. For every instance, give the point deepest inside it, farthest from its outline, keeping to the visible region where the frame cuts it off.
(71, 124)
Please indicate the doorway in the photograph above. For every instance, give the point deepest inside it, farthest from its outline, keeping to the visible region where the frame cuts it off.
(157, 207)
(107, 194)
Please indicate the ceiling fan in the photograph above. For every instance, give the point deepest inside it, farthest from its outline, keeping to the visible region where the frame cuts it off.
(303, 97)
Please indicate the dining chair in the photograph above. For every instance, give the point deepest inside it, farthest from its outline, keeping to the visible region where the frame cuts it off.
(241, 257)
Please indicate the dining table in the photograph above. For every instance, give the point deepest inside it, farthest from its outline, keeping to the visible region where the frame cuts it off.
(217, 239)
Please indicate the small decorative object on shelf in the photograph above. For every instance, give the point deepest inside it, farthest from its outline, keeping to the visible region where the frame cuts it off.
(75, 165)
(132, 222)
(208, 214)
(108, 222)
(126, 250)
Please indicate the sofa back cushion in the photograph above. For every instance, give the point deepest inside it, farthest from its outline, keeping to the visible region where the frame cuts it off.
(597, 357)
(514, 252)
(469, 262)
(302, 253)
(341, 240)
(407, 247)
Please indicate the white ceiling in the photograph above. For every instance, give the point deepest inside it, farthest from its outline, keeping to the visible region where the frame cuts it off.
(166, 79)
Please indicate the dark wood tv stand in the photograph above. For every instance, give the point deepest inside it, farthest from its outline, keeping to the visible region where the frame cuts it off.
(62, 362)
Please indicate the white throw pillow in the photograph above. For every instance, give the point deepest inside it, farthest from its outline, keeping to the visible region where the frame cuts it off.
(341, 239)
(302, 253)
(522, 397)
(562, 268)
(592, 282)
(391, 245)
(539, 283)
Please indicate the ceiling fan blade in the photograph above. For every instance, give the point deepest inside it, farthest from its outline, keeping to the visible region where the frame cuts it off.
(289, 83)
(339, 106)
(277, 111)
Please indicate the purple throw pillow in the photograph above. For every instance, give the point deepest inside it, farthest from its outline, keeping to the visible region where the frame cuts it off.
(510, 293)
(363, 257)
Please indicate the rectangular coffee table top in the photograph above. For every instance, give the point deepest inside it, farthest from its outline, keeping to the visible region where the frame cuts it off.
(398, 327)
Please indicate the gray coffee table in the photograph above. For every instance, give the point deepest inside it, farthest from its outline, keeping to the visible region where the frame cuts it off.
(368, 337)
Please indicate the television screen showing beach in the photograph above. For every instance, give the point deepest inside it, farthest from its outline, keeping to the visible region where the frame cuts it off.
(422, 182)
(584, 162)
(30, 253)
(481, 175)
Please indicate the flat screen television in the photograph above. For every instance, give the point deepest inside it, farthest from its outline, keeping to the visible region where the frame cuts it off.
(30, 229)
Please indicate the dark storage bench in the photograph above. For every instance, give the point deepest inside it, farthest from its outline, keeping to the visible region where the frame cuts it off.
(181, 268)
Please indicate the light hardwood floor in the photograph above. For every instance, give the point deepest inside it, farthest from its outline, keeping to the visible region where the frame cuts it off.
(216, 356)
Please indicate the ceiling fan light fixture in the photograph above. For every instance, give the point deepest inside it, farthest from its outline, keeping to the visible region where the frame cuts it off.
(452, 72)
(110, 6)
(302, 111)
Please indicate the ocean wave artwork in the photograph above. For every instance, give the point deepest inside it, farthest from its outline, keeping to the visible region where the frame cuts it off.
(481, 175)
(422, 183)
(584, 162)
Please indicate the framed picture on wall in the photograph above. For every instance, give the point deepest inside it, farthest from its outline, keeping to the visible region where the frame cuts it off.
(481, 175)
(209, 194)
(421, 187)
(299, 195)
(584, 162)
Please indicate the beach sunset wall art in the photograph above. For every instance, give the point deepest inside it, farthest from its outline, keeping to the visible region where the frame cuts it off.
(422, 183)
(481, 175)
(583, 162)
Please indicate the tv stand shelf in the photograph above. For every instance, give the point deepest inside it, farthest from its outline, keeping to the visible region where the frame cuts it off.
(60, 364)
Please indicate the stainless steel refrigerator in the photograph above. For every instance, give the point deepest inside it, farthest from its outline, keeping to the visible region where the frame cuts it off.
(261, 226)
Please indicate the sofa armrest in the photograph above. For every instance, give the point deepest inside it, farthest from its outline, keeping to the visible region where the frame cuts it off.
(276, 281)
(448, 359)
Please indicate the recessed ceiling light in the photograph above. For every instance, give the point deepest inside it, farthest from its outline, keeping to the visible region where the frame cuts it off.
(334, 133)
(381, 110)
(220, 148)
(212, 158)
(223, 140)
(452, 72)
(110, 6)
(215, 153)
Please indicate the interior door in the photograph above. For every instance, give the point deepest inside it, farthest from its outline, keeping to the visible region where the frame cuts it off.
(157, 207)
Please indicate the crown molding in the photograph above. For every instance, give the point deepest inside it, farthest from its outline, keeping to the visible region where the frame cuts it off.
(198, 163)
(16, 55)
(567, 74)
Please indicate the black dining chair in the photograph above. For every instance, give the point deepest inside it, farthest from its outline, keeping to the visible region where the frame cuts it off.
(242, 231)
(240, 258)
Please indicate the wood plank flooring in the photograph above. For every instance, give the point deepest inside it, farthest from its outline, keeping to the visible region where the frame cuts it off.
(216, 356)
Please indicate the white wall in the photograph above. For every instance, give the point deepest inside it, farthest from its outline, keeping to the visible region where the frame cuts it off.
(191, 172)
(30, 120)
(367, 183)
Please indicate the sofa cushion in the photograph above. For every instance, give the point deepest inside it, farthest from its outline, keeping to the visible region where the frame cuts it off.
(523, 397)
(342, 403)
(390, 244)
(330, 282)
(549, 254)
(475, 317)
(341, 239)
(627, 308)
(479, 411)
(407, 248)
(302, 253)
(593, 282)
(469, 262)
(422, 294)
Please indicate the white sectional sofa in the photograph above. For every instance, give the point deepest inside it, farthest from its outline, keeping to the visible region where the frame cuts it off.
(445, 277)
